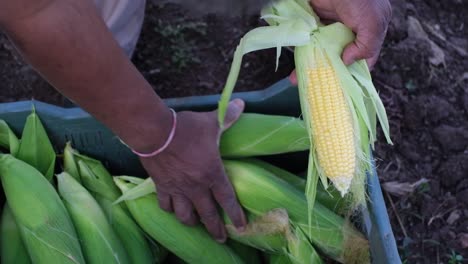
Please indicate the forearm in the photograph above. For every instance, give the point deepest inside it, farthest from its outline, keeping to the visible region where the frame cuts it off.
(68, 43)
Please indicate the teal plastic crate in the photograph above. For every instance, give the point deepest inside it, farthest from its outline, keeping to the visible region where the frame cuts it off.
(92, 138)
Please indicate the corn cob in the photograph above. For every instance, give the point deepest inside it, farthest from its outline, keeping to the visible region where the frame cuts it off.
(99, 242)
(12, 247)
(33, 208)
(192, 244)
(258, 135)
(340, 105)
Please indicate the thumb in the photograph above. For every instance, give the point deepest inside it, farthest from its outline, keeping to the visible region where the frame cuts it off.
(233, 112)
(363, 47)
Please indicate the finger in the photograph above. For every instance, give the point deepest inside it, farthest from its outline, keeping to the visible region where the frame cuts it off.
(293, 77)
(164, 200)
(226, 197)
(366, 46)
(233, 112)
(209, 216)
(183, 209)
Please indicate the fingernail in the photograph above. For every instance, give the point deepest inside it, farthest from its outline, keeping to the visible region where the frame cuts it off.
(238, 103)
(221, 240)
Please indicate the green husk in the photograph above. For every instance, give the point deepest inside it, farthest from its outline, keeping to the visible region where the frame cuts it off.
(260, 192)
(330, 198)
(99, 242)
(70, 165)
(8, 139)
(12, 249)
(35, 147)
(258, 135)
(301, 251)
(33, 208)
(279, 259)
(248, 254)
(100, 184)
(192, 244)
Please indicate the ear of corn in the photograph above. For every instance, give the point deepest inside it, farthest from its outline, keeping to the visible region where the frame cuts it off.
(12, 249)
(33, 208)
(8, 139)
(35, 147)
(70, 165)
(192, 244)
(300, 250)
(258, 135)
(268, 232)
(99, 242)
(98, 180)
(339, 103)
(260, 192)
(279, 259)
(248, 254)
(330, 198)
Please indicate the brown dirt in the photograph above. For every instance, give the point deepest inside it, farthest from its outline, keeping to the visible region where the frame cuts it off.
(427, 103)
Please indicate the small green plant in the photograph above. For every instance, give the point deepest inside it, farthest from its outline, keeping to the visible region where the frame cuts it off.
(178, 41)
(455, 258)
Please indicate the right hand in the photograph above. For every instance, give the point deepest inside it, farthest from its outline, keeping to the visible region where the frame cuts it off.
(190, 176)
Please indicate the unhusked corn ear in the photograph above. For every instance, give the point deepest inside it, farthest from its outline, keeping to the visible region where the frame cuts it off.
(248, 254)
(330, 198)
(46, 228)
(99, 182)
(191, 244)
(332, 125)
(99, 242)
(12, 249)
(259, 135)
(301, 251)
(259, 191)
(267, 232)
(279, 259)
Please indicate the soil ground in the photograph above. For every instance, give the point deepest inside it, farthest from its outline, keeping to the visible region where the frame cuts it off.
(422, 77)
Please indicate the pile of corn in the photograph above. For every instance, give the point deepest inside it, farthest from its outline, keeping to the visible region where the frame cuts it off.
(77, 212)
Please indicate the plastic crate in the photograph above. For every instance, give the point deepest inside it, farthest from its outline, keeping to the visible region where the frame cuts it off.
(92, 138)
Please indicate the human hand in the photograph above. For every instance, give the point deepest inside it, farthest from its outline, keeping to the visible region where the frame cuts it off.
(368, 19)
(189, 174)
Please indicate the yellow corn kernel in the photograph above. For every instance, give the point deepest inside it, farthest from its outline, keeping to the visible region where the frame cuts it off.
(332, 126)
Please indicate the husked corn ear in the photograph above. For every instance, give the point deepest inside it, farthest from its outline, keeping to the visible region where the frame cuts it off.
(12, 249)
(332, 125)
(46, 228)
(100, 243)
